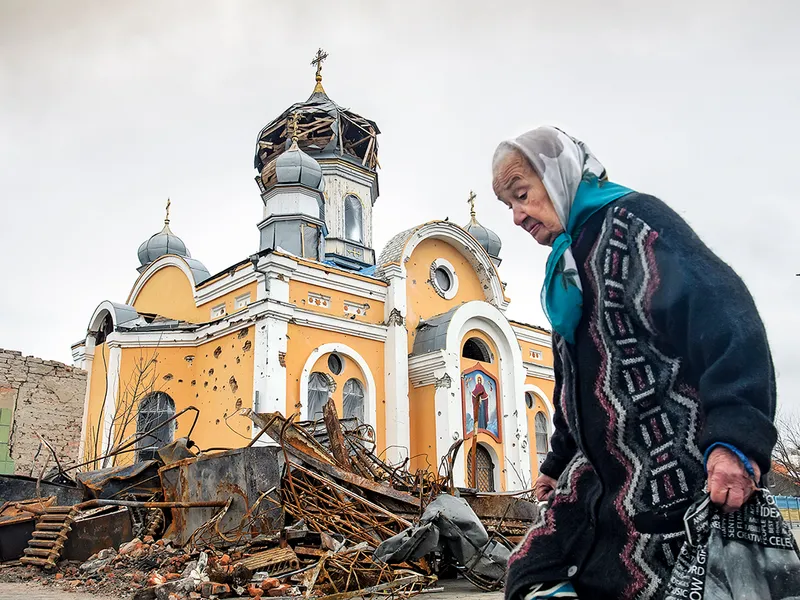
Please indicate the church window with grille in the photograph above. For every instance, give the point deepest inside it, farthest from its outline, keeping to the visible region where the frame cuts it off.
(485, 470)
(318, 392)
(353, 400)
(353, 219)
(154, 412)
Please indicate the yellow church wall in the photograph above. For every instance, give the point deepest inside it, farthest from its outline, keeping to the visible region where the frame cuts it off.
(547, 354)
(148, 370)
(223, 385)
(302, 341)
(492, 369)
(93, 440)
(540, 405)
(215, 377)
(422, 419)
(422, 300)
(229, 300)
(298, 295)
(170, 294)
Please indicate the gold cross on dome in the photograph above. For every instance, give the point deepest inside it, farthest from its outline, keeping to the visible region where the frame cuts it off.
(318, 60)
(169, 203)
(291, 126)
(471, 202)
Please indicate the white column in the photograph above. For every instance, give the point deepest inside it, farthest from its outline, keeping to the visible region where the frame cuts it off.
(515, 424)
(276, 371)
(112, 396)
(450, 413)
(269, 374)
(440, 369)
(88, 359)
(260, 366)
(398, 426)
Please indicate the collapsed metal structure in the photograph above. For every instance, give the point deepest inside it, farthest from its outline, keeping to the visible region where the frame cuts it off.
(305, 504)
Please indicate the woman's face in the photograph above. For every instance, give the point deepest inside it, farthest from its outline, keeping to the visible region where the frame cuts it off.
(518, 186)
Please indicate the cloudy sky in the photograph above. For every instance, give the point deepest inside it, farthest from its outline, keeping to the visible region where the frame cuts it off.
(108, 107)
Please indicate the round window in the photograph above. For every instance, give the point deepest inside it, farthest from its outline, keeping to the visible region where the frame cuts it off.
(443, 279)
(528, 399)
(335, 364)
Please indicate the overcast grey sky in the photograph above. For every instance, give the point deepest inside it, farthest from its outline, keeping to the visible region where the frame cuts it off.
(108, 107)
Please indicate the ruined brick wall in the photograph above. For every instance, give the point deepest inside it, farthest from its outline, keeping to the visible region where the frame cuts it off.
(42, 396)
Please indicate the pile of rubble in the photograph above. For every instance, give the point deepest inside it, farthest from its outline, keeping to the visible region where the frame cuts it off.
(314, 513)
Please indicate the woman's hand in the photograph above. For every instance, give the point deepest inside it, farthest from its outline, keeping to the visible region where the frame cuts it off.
(543, 487)
(729, 483)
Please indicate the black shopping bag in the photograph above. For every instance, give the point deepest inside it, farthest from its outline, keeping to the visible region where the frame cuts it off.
(747, 555)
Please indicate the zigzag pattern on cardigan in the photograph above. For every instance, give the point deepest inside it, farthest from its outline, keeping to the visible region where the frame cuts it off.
(652, 425)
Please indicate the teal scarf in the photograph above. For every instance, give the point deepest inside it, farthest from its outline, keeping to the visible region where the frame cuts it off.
(562, 296)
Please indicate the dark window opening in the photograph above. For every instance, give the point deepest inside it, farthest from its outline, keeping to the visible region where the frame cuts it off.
(529, 401)
(154, 412)
(443, 279)
(106, 329)
(475, 349)
(335, 364)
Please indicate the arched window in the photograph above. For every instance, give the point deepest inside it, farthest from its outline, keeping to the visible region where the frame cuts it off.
(318, 392)
(353, 219)
(542, 435)
(476, 349)
(485, 470)
(353, 400)
(154, 411)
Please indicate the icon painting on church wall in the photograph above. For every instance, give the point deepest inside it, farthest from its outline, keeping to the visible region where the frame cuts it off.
(479, 389)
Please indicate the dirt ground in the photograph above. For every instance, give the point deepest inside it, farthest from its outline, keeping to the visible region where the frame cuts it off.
(36, 590)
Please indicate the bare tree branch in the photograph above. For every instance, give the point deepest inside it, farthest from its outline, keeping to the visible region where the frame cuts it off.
(143, 382)
(786, 455)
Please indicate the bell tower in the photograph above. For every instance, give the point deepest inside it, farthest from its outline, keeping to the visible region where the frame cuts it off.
(345, 146)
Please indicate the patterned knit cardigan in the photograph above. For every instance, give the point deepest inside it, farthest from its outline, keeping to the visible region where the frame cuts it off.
(670, 356)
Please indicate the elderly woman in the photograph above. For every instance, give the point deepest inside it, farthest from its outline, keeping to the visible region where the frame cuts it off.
(664, 380)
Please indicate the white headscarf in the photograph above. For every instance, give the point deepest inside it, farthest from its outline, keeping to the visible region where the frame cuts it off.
(560, 161)
(565, 166)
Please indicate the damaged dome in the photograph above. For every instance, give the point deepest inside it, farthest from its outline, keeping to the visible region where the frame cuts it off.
(323, 129)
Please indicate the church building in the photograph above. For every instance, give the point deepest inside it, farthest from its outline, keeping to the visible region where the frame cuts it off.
(411, 339)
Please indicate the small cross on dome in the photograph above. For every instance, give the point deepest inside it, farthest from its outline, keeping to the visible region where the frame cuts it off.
(318, 60)
(471, 202)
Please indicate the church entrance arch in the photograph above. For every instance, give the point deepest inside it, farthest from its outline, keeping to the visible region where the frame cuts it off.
(484, 480)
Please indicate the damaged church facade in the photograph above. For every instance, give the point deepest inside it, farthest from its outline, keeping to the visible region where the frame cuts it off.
(412, 340)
